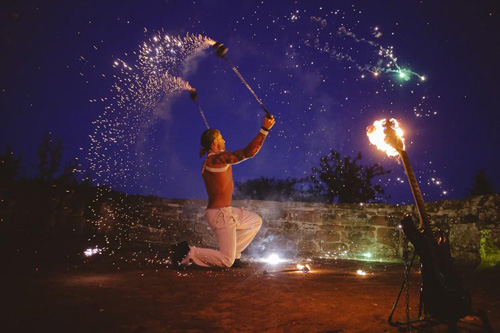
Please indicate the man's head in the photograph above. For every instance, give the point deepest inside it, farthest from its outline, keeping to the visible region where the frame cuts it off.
(211, 139)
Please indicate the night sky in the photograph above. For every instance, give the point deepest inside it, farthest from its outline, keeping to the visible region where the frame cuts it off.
(325, 69)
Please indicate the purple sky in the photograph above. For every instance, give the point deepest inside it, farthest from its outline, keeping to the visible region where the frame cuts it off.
(309, 62)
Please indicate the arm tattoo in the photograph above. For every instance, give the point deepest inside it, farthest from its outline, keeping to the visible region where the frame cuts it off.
(240, 155)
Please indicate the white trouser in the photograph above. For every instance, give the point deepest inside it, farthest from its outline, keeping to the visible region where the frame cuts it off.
(234, 228)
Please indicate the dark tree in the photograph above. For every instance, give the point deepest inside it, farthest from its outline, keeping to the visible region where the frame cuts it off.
(49, 154)
(68, 174)
(482, 185)
(290, 189)
(9, 166)
(266, 189)
(344, 180)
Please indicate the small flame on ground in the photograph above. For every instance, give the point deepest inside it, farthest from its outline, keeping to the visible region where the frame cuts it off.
(273, 259)
(304, 268)
(377, 137)
(360, 272)
(90, 252)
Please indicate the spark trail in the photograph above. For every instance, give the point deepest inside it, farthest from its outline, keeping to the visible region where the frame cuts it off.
(143, 90)
(384, 59)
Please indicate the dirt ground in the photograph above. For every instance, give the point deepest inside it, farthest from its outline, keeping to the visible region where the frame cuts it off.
(109, 295)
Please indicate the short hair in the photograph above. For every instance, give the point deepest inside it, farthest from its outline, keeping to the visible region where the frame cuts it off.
(207, 138)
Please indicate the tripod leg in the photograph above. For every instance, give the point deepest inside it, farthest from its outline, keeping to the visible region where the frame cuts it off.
(485, 320)
(421, 315)
(407, 273)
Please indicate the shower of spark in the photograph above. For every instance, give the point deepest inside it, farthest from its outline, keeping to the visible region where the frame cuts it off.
(142, 89)
(123, 149)
(92, 251)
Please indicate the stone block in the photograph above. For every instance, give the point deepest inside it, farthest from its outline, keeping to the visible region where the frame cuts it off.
(308, 226)
(270, 241)
(329, 218)
(394, 219)
(470, 218)
(304, 216)
(272, 213)
(388, 236)
(380, 251)
(201, 228)
(335, 248)
(308, 247)
(361, 246)
(146, 234)
(290, 226)
(357, 233)
(378, 220)
(465, 243)
(327, 236)
(279, 224)
(194, 216)
(337, 228)
(208, 240)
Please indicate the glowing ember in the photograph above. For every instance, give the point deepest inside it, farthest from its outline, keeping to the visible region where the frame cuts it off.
(360, 272)
(377, 135)
(273, 259)
(304, 268)
(91, 252)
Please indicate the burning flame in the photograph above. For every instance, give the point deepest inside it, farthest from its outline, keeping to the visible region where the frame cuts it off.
(90, 252)
(273, 259)
(360, 272)
(304, 268)
(376, 135)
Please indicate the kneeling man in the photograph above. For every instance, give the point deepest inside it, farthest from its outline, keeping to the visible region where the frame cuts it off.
(234, 228)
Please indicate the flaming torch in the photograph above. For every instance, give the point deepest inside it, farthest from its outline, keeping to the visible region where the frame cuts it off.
(387, 135)
(172, 83)
(443, 295)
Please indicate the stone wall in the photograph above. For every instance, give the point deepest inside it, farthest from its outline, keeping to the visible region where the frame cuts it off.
(363, 231)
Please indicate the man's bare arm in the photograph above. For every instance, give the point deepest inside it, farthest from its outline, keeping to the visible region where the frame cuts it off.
(240, 155)
(249, 151)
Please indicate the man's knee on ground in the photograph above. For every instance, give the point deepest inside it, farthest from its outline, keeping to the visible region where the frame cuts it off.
(258, 223)
(228, 260)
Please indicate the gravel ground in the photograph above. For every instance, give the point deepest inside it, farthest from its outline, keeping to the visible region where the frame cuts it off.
(110, 295)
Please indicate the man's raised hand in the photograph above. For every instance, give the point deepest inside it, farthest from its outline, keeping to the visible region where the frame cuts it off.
(268, 122)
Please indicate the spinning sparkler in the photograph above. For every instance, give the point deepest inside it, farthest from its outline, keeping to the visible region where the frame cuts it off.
(220, 51)
(194, 96)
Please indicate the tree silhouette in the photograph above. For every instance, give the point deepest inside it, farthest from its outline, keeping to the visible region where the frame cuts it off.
(336, 178)
(289, 189)
(482, 185)
(67, 176)
(9, 166)
(346, 181)
(49, 154)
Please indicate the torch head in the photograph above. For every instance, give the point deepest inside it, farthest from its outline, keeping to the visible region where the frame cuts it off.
(220, 49)
(193, 94)
(391, 136)
(387, 135)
